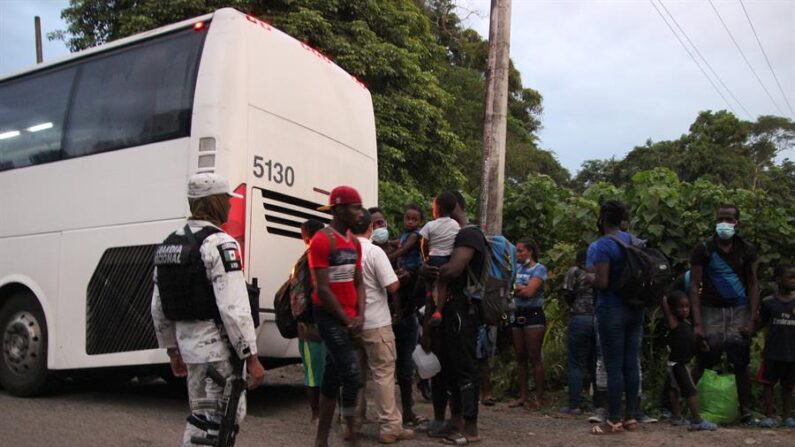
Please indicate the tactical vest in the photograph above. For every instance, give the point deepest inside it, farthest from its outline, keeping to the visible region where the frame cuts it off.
(185, 291)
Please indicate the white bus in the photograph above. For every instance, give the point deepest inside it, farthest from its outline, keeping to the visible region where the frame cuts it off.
(95, 153)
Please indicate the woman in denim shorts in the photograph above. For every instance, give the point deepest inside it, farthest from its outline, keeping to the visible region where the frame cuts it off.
(528, 321)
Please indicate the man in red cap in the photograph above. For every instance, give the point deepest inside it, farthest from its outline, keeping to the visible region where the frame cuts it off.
(338, 298)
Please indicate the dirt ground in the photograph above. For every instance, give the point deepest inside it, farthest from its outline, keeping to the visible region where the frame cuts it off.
(153, 414)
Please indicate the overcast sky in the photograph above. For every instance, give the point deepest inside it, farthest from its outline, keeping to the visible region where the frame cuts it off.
(611, 72)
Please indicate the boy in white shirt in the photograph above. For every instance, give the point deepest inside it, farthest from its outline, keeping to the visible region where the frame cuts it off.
(438, 238)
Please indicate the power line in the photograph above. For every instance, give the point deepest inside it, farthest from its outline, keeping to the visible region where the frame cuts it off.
(705, 60)
(692, 57)
(764, 53)
(747, 62)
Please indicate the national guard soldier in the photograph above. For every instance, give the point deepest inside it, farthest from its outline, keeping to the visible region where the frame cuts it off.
(200, 306)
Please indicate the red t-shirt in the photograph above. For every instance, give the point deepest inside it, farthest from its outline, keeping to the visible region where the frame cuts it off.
(342, 264)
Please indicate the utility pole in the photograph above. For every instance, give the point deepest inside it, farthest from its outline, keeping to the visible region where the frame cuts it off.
(495, 120)
(39, 55)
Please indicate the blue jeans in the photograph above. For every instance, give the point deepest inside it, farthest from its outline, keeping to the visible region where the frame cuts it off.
(620, 331)
(580, 347)
(342, 363)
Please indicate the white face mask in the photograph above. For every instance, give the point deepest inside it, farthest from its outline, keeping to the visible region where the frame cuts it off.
(380, 235)
(725, 230)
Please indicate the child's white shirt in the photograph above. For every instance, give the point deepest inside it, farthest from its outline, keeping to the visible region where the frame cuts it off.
(440, 234)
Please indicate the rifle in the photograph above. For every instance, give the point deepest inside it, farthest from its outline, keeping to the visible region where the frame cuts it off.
(233, 386)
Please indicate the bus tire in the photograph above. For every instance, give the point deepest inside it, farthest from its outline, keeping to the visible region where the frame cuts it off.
(23, 345)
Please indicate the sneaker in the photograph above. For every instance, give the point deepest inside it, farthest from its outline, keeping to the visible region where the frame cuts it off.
(704, 425)
(568, 411)
(666, 414)
(598, 417)
(766, 423)
(391, 438)
(644, 418)
(681, 422)
(749, 420)
(788, 422)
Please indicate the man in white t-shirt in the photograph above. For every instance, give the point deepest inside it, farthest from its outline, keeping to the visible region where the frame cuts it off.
(377, 338)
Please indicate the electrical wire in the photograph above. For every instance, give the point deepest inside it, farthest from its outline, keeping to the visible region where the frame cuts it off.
(705, 60)
(692, 57)
(764, 53)
(742, 53)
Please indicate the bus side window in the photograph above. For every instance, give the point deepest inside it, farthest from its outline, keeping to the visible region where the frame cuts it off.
(32, 112)
(134, 96)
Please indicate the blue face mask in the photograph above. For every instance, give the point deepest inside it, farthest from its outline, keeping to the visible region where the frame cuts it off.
(724, 230)
(380, 235)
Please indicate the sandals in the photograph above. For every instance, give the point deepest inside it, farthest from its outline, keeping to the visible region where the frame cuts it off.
(631, 424)
(415, 421)
(458, 438)
(532, 405)
(609, 428)
(489, 402)
(517, 404)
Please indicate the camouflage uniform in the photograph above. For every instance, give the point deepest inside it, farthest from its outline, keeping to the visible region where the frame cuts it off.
(204, 343)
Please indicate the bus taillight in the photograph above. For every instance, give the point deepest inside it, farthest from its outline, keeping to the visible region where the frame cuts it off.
(235, 226)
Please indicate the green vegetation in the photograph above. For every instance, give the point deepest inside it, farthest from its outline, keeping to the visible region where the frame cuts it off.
(426, 75)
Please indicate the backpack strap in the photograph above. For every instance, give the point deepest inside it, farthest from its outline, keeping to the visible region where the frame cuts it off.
(619, 240)
(198, 238)
(332, 239)
(508, 263)
(471, 278)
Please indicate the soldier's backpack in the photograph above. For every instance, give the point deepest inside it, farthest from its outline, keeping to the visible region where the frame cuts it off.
(492, 286)
(645, 277)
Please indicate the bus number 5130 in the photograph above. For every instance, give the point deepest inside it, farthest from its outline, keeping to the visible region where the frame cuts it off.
(276, 172)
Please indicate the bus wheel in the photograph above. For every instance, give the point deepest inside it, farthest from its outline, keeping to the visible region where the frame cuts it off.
(23, 364)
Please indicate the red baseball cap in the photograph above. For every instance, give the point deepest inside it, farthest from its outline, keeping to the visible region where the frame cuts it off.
(342, 195)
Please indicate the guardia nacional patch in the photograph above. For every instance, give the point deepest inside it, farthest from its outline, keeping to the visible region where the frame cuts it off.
(230, 257)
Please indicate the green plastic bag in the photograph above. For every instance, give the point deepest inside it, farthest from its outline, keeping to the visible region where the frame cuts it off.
(717, 397)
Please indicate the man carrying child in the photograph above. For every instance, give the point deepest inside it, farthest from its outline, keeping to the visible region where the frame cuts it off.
(456, 337)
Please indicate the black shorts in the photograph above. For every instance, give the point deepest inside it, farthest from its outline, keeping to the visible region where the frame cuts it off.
(681, 381)
(772, 372)
(528, 317)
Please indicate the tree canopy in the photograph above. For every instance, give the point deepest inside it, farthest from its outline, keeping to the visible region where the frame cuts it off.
(718, 147)
(424, 68)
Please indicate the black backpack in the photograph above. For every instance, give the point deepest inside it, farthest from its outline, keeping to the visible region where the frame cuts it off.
(645, 277)
(285, 321)
(301, 289)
